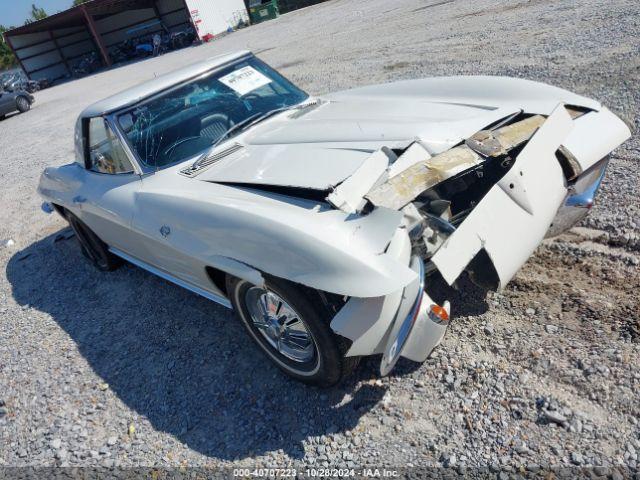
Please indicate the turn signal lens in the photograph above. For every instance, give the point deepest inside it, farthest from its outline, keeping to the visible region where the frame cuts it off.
(439, 312)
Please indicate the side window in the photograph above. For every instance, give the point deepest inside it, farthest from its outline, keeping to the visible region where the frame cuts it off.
(106, 154)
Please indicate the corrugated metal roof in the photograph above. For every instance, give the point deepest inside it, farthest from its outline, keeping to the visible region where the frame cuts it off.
(74, 15)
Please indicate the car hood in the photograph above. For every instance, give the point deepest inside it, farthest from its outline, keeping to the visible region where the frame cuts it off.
(319, 146)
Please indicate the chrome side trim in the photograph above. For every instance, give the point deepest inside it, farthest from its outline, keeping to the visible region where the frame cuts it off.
(171, 278)
(400, 334)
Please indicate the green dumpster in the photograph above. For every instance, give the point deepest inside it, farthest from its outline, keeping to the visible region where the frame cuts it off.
(261, 10)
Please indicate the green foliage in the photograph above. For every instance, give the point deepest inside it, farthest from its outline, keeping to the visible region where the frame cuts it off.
(7, 59)
(37, 13)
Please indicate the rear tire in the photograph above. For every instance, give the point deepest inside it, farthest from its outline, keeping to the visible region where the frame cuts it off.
(22, 104)
(94, 249)
(317, 357)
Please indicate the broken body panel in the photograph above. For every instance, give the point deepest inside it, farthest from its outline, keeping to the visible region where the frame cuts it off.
(525, 199)
(533, 198)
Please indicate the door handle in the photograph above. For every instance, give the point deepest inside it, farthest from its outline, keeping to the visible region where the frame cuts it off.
(79, 199)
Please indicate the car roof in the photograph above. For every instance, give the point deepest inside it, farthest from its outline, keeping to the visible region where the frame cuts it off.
(146, 89)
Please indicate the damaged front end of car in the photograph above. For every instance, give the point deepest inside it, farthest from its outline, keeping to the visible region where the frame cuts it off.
(482, 206)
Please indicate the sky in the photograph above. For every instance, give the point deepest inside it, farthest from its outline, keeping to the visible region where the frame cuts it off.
(15, 12)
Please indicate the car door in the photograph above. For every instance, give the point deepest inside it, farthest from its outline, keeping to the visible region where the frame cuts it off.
(7, 103)
(107, 187)
(165, 225)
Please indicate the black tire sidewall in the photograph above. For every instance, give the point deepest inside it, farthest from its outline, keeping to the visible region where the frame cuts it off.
(94, 249)
(25, 102)
(328, 357)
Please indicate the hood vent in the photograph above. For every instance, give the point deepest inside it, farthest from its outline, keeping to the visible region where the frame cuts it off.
(301, 110)
(209, 159)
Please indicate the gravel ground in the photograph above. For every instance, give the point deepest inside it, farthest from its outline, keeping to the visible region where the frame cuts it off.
(126, 369)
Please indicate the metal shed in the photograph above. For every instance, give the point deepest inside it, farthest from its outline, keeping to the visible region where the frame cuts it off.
(49, 48)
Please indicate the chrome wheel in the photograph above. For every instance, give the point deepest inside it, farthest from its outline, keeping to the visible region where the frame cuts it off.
(280, 325)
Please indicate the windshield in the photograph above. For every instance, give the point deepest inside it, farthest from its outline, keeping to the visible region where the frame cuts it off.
(8, 79)
(189, 119)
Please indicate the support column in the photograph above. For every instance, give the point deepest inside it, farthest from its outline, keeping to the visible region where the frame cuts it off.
(64, 60)
(96, 35)
(156, 10)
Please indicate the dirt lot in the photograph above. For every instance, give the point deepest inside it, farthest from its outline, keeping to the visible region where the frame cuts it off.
(126, 369)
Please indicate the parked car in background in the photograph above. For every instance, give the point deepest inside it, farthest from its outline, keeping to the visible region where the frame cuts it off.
(17, 80)
(16, 100)
(319, 219)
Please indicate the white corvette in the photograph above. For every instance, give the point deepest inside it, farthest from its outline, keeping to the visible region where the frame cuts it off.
(318, 219)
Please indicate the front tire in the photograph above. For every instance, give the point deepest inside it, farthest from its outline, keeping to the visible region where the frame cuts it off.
(22, 104)
(292, 328)
(94, 249)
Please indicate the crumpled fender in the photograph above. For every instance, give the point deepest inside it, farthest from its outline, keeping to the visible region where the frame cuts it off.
(594, 136)
(365, 321)
(306, 243)
(513, 217)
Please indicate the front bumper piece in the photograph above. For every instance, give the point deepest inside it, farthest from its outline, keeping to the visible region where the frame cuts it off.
(414, 333)
(580, 198)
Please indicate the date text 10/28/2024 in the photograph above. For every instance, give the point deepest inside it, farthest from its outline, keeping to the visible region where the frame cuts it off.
(315, 473)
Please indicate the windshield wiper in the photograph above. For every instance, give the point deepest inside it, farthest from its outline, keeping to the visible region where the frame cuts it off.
(243, 125)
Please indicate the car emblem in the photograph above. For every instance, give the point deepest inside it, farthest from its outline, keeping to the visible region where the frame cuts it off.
(165, 231)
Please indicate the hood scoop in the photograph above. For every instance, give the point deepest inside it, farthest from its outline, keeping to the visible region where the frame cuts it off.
(208, 159)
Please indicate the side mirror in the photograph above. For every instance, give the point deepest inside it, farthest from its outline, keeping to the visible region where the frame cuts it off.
(97, 158)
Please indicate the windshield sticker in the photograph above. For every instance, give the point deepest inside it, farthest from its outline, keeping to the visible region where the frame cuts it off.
(245, 80)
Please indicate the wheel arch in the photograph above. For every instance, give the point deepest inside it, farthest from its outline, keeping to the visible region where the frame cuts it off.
(218, 268)
(234, 268)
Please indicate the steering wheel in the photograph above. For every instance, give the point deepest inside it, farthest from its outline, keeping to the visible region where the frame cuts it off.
(171, 149)
(258, 101)
(253, 99)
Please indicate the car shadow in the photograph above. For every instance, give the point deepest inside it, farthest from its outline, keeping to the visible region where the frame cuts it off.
(180, 360)
(466, 298)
